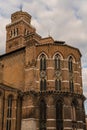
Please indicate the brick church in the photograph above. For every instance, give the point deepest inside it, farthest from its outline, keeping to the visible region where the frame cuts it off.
(40, 81)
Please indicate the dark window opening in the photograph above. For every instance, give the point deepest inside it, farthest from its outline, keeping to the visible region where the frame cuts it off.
(9, 113)
(42, 62)
(58, 84)
(17, 31)
(71, 84)
(70, 64)
(59, 115)
(57, 62)
(42, 115)
(43, 85)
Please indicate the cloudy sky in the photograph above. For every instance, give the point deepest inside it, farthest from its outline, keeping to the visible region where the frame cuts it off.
(62, 19)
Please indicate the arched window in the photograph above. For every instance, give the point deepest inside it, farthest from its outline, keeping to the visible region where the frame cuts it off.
(43, 85)
(70, 64)
(74, 105)
(59, 115)
(42, 115)
(11, 34)
(58, 84)
(16, 31)
(42, 62)
(57, 62)
(9, 113)
(71, 85)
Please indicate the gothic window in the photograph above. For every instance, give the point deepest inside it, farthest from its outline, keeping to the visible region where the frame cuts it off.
(58, 84)
(9, 113)
(42, 115)
(59, 115)
(57, 62)
(43, 85)
(70, 64)
(16, 31)
(73, 113)
(74, 104)
(71, 85)
(11, 33)
(25, 32)
(43, 62)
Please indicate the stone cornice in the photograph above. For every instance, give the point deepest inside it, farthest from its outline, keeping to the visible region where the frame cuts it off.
(54, 93)
(49, 44)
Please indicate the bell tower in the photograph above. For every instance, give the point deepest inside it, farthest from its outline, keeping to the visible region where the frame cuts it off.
(16, 31)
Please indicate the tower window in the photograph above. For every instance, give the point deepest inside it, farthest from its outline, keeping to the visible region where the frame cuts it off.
(42, 115)
(26, 32)
(11, 33)
(43, 62)
(57, 62)
(16, 31)
(59, 115)
(9, 113)
(71, 84)
(43, 85)
(70, 64)
(58, 84)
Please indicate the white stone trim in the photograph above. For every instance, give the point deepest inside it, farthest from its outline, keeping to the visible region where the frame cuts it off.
(27, 69)
(76, 83)
(65, 59)
(37, 69)
(65, 69)
(76, 72)
(61, 56)
(51, 59)
(65, 81)
(67, 119)
(50, 80)
(28, 106)
(51, 128)
(66, 106)
(51, 119)
(50, 68)
(80, 121)
(13, 118)
(29, 119)
(37, 81)
(68, 128)
(41, 54)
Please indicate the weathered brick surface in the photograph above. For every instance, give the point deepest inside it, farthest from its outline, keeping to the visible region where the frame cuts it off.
(20, 76)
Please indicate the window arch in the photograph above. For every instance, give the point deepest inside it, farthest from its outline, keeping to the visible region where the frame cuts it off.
(59, 115)
(57, 62)
(42, 115)
(9, 112)
(43, 84)
(71, 85)
(42, 62)
(58, 84)
(70, 64)
(16, 31)
(74, 105)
